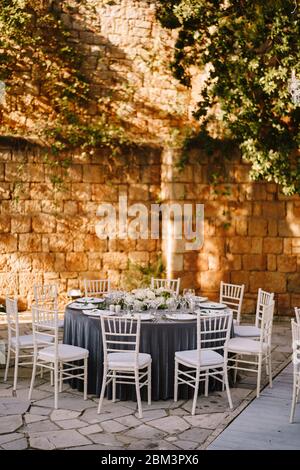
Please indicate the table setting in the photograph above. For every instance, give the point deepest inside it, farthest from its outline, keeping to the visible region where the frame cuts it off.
(168, 324)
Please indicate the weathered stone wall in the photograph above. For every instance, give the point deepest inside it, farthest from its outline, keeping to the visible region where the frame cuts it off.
(252, 234)
(50, 236)
(251, 231)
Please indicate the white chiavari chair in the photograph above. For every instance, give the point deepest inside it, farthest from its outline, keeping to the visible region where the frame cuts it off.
(209, 359)
(238, 348)
(232, 295)
(58, 358)
(296, 366)
(46, 295)
(297, 315)
(253, 331)
(123, 363)
(172, 284)
(93, 287)
(21, 346)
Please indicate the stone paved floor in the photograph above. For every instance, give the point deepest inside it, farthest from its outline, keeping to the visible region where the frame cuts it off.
(165, 424)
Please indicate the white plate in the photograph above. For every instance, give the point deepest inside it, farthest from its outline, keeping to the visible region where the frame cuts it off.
(197, 298)
(181, 316)
(90, 300)
(142, 316)
(212, 305)
(206, 312)
(79, 306)
(97, 313)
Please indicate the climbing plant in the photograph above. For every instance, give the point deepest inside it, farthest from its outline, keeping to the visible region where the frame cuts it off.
(48, 97)
(245, 50)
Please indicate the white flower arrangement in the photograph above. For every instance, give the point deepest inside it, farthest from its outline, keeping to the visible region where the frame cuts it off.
(144, 299)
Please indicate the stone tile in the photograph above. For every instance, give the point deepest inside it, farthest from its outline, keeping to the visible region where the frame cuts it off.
(129, 421)
(126, 439)
(152, 414)
(71, 423)
(194, 435)
(170, 424)
(186, 445)
(92, 429)
(40, 410)
(145, 431)
(10, 437)
(171, 438)
(112, 426)
(10, 423)
(30, 418)
(178, 412)
(208, 421)
(143, 444)
(105, 439)
(19, 444)
(41, 426)
(57, 440)
(96, 447)
(163, 445)
(67, 401)
(13, 406)
(162, 404)
(22, 394)
(108, 412)
(58, 415)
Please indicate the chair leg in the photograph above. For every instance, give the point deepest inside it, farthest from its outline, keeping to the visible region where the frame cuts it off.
(149, 384)
(7, 363)
(270, 369)
(196, 391)
(294, 399)
(60, 376)
(16, 370)
(176, 381)
(102, 390)
(259, 375)
(206, 385)
(114, 387)
(56, 385)
(51, 378)
(85, 378)
(32, 377)
(138, 393)
(235, 370)
(226, 384)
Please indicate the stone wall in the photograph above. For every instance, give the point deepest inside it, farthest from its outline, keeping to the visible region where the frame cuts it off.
(252, 234)
(251, 230)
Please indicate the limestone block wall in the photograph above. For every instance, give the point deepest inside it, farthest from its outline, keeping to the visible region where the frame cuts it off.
(251, 231)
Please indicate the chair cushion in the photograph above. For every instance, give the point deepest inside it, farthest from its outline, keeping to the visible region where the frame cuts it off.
(66, 352)
(247, 331)
(245, 345)
(127, 360)
(26, 341)
(207, 357)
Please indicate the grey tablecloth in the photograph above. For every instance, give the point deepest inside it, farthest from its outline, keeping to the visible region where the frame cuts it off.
(161, 340)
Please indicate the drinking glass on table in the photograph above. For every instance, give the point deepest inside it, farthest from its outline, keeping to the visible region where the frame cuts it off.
(188, 292)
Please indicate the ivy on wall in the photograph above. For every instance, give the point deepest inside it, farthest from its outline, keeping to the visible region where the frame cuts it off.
(47, 95)
(247, 50)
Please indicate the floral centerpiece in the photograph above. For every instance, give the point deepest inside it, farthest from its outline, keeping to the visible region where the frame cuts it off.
(144, 299)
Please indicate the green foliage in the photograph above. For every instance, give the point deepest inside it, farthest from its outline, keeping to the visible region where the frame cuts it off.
(41, 66)
(140, 276)
(247, 49)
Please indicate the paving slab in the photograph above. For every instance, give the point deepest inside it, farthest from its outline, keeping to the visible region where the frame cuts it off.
(170, 424)
(66, 401)
(13, 406)
(145, 432)
(10, 423)
(57, 440)
(19, 444)
(41, 426)
(58, 415)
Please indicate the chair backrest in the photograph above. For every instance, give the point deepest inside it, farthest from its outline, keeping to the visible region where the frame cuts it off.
(213, 331)
(267, 323)
(120, 334)
(232, 295)
(45, 326)
(297, 315)
(46, 295)
(12, 316)
(296, 345)
(263, 298)
(172, 284)
(96, 286)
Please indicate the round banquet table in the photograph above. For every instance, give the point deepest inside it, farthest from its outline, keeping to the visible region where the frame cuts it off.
(160, 339)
